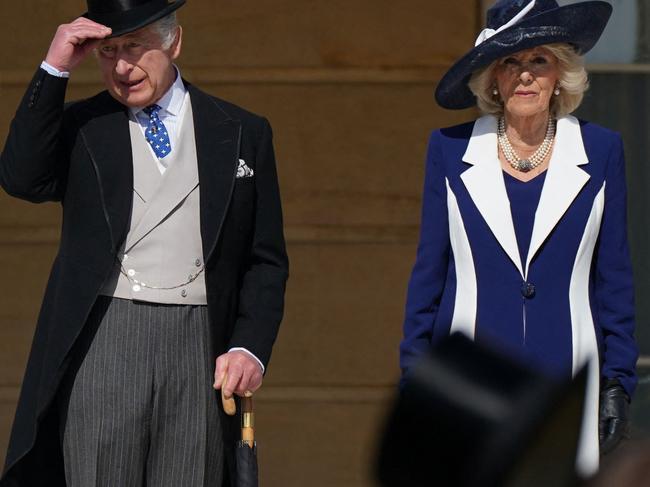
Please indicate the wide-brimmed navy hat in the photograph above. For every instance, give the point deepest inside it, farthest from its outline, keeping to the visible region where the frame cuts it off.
(515, 25)
(124, 16)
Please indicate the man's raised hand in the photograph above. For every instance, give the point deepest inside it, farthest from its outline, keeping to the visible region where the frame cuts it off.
(72, 43)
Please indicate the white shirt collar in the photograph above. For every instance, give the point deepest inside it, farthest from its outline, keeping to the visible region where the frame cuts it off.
(172, 101)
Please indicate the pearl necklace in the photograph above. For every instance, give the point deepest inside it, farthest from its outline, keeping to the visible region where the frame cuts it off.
(525, 165)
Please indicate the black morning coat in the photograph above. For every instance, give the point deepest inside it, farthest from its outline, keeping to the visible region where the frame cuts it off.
(80, 154)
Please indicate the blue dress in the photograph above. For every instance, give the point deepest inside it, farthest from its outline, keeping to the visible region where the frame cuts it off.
(524, 199)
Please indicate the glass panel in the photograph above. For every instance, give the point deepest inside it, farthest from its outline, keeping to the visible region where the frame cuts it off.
(643, 46)
(619, 42)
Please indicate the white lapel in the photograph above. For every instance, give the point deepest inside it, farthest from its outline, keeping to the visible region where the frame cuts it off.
(485, 184)
(564, 180)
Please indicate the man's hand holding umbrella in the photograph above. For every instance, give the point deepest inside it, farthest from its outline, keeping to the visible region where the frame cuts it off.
(238, 373)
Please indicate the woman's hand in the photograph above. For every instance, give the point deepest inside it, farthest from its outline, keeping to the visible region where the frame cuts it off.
(613, 424)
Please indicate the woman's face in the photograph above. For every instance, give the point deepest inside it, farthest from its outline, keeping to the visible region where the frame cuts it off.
(526, 81)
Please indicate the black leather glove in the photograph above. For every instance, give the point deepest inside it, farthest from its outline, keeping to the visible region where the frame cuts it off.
(613, 424)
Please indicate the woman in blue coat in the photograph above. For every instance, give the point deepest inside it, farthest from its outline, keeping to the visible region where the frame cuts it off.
(523, 239)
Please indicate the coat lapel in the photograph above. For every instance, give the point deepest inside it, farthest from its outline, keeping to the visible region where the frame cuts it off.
(105, 133)
(564, 180)
(485, 184)
(217, 145)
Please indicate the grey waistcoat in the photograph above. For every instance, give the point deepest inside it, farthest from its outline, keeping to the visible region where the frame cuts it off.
(161, 260)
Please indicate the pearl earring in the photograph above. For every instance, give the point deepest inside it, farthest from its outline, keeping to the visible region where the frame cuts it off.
(495, 92)
(556, 92)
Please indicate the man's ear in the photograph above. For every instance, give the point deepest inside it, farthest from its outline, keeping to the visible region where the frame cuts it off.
(175, 49)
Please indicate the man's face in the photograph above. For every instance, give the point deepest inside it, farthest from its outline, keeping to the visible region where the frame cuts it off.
(136, 69)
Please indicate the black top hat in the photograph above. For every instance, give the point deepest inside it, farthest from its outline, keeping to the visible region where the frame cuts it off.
(515, 25)
(124, 16)
(468, 416)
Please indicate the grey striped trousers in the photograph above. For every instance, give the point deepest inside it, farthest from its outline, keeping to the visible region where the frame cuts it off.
(138, 408)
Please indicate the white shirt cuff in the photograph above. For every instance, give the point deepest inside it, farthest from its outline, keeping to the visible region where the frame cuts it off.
(242, 349)
(53, 71)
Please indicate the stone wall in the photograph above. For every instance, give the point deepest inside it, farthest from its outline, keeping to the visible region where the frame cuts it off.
(348, 87)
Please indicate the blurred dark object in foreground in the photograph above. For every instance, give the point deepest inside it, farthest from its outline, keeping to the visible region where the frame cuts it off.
(628, 466)
(469, 417)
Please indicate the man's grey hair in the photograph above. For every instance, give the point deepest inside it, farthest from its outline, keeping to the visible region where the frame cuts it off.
(166, 29)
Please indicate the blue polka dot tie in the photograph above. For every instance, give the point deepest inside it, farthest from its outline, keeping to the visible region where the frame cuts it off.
(156, 133)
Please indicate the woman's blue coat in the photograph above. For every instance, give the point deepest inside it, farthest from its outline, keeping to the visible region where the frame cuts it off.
(571, 303)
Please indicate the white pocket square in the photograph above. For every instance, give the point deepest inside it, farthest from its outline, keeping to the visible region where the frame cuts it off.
(243, 171)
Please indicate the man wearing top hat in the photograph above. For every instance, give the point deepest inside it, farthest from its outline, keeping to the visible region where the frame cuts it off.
(171, 271)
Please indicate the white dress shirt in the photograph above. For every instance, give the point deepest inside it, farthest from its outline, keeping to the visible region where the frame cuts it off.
(172, 108)
(53, 71)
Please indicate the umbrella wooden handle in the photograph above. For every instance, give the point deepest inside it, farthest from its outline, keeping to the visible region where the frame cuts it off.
(228, 402)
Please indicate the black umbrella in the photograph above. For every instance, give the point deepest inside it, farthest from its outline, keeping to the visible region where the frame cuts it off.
(246, 448)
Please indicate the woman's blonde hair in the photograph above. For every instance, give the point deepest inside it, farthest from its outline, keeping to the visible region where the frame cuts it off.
(573, 83)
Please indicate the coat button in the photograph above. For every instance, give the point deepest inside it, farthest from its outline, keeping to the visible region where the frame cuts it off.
(131, 272)
(527, 290)
(184, 293)
(197, 262)
(136, 288)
